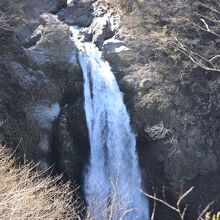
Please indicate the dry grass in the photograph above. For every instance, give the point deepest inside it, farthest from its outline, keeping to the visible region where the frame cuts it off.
(29, 194)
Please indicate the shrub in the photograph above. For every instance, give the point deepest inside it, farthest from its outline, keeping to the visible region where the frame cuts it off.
(29, 194)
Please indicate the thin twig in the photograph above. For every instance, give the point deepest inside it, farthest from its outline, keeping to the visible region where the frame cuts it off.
(209, 31)
(205, 210)
(159, 200)
(154, 205)
(206, 25)
(213, 58)
(184, 195)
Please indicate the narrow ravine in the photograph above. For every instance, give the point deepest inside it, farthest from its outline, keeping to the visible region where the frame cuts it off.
(112, 180)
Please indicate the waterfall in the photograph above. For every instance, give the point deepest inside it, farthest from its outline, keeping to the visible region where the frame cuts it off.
(112, 180)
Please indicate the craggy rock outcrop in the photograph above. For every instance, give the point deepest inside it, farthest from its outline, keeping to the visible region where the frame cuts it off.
(102, 22)
(38, 75)
(105, 24)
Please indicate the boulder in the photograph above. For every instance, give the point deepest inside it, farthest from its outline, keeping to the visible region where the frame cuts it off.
(24, 34)
(53, 42)
(117, 54)
(101, 30)
(77, 13)
(33, 9)
(105, 24)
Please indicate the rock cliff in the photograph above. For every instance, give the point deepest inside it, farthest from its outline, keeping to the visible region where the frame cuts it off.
(39, 75)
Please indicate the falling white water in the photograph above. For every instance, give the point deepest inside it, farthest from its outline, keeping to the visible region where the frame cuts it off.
(113, 180)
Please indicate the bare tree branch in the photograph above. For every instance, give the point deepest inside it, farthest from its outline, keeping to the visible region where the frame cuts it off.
(177, 209)
(154, 205)
(196, 58)
(184, 195)
(160, 200)
(209, 31)
(213, 58)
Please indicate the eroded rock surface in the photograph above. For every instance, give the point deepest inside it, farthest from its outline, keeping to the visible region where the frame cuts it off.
(98, 19)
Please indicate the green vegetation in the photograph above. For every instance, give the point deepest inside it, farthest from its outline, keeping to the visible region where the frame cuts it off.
(162, 105)
(142, 86)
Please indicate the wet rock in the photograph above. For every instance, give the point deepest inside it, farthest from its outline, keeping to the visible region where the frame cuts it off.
(43, 115)
(85, 34)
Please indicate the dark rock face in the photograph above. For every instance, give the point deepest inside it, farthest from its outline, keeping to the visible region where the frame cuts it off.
(173, 104)
(72, 145)
(24, 34)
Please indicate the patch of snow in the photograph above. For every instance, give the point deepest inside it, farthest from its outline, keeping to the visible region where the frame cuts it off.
(44, 143)
(45, 114)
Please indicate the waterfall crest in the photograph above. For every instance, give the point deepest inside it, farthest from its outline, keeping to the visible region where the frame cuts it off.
(113, 179)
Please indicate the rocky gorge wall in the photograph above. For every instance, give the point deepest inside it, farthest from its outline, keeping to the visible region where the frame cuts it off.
(172, 101)
(40, 80)
(173, 104)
